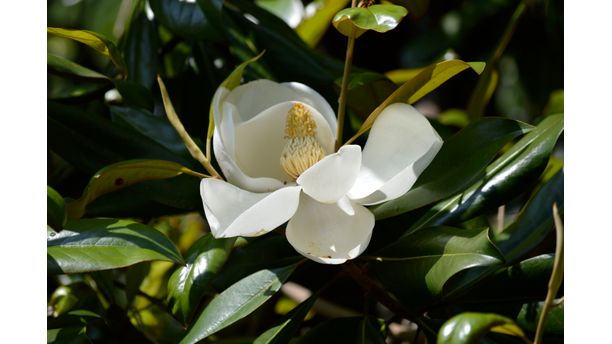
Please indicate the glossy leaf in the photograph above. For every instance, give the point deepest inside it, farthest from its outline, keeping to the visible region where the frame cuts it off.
(344, 330)
(312, 29)
(101, 244)
(56, 209)
(140, 51)
(64, 66)
(416, 267)
(282, 332)
(123, 174)
(355, 21)
(534, 221)
(134, 95)
(530, 313)
(237, 301)
(426, 81)
(366, 90)
(94, 40)
(471, 327)
(509, 175)
(185, 19)
(290, 11)
(460, 162)
(189, 283)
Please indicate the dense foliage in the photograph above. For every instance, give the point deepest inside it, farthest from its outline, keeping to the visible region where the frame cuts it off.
(473, 252)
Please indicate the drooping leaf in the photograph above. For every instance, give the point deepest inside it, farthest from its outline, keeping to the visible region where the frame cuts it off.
(189, 283)
(312, 29)
(64, 66)
(237, 301)
(94, 40)
(284, 329)
(471, 327)
(506, 177)
(460, 162)
(414, 89)
(355, 21)
(416, 267)
(344, 330)
(123, 174)
(101, 244)
(56, 209)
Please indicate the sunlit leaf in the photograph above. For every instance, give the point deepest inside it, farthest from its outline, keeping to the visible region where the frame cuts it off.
(123, 174)
(94, 40)
(312, 29)
(355, 21)
(64, 66)
(470, 327)
(56, 209)
(101, 244)
(237, 301)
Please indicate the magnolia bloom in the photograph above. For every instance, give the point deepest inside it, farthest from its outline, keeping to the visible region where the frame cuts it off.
(275, 145)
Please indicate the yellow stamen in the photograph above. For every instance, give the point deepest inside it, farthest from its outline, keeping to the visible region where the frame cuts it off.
(302, 150)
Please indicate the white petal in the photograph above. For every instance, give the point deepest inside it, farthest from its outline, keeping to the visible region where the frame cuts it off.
(326, 234)
(332, 177)
(260, 141)
(231, 211)
(400, 145)
(346, 205)
(311, 97)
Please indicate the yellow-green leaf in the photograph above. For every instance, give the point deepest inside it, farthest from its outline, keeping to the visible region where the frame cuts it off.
(353, 22)
(311, 30)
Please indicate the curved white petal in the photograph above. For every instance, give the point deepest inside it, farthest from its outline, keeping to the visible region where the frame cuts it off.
(326, 234)
(400, 145)
(331, 178)
(260, 141)
(311, 97)
(231, 211)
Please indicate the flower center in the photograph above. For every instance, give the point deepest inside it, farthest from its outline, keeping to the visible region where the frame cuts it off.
(302, 149)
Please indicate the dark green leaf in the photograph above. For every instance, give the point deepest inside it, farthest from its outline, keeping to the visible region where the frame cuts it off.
(506, 177)
(534, 222)
(68, 335)
(366, 90)
(416, 267)
(237, 301)
(64, 66)
(351, 330)
(123, 174)
(72, 296)
(460, 162)
(468, 328)
(183, 18)
(424, 82)
(56, 210)
(189, 283)
(353, 22)
(282, 331)
(530, 314)
(94, 40)
(101, 244)
(134, 275)
(134, 94)
(140, 51)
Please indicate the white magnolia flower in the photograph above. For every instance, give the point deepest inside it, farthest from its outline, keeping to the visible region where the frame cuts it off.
(275, 145)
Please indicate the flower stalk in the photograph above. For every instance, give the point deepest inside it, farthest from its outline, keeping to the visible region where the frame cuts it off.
(348, 61)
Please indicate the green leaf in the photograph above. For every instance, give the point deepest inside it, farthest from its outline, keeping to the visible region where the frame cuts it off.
(366, 90)
(312, 29)
(72, 296)
(64, 66)
(189, 283)
(534, 221)
(141, 51)
(68, 335)
(355, 21)
(233, 80)
(237, 301)
(414, 89)
(123, 174)
(134, 94)
(506, 177)
(56, 210)
(101, 244)
(185, 19)
(470, 327)
(460, 162)
(530, 313)
(282, 332)
(416, 267)
(94, 40)
(344, 330)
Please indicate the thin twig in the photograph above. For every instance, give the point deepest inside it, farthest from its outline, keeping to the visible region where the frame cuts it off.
(501, 214)
(192, 147)
(555, 279)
